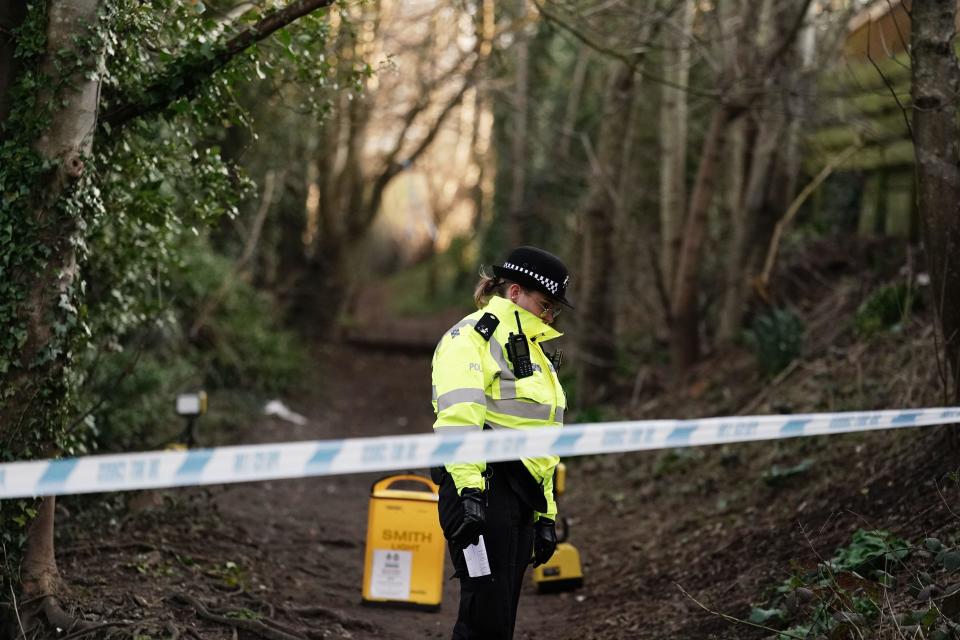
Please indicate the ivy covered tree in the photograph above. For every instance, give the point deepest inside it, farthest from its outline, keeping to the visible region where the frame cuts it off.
(112, 114)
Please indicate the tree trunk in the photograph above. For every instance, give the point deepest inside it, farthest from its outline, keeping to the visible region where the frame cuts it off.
(673, 141)
(519, 224)
(935, 85)
(734, 212)
(352, 216)
(572, 109)
(34, 386)
(630, 260)
(39, 574)
(321, 291)
(596, 340)
(743, 237)
(684, 316)
(65, 144)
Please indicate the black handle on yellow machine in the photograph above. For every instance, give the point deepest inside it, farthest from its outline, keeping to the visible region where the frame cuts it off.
(389, 482)
(563, 529)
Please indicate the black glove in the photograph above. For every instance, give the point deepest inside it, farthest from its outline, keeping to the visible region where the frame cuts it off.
(544, 540)
(469, 529)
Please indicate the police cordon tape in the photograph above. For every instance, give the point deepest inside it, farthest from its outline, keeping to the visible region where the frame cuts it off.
(247, 463)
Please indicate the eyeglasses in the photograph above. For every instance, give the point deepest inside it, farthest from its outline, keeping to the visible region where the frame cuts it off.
(549, 307)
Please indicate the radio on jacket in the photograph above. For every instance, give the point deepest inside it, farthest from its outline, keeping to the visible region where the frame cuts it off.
(519, 352)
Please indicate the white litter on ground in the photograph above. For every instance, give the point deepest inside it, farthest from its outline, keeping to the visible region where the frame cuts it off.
(279, 410)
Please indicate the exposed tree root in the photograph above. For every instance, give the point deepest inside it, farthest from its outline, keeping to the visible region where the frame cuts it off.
(270, 622)
(227, 590)
(331, 614)
(271, 610)
(41, 581)
(64, 623)
(272, 631)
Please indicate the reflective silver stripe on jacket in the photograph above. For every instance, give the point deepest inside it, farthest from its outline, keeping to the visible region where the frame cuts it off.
(459, 428)
(456, 396)
(496, 425)
(519, 409)
(559, 416)
(508, 381)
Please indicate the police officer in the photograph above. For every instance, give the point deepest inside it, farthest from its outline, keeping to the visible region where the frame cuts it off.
(492, 371)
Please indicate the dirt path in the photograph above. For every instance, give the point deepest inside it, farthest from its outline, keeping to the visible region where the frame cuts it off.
(377, 384)
(316, 528)
(286, 551)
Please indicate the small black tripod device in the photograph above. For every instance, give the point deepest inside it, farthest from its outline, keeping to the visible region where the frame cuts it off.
(519, 352)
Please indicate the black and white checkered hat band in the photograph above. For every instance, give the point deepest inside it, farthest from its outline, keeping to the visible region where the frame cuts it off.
(552, 285)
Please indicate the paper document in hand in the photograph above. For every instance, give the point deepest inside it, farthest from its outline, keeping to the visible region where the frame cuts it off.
(478, 564)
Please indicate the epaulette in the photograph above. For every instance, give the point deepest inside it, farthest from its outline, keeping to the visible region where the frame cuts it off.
(486, 325)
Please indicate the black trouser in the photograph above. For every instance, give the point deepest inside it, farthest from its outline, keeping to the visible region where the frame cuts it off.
(488, 605)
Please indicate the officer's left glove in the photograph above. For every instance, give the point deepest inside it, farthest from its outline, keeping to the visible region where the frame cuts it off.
(544, 541)
(474, 515)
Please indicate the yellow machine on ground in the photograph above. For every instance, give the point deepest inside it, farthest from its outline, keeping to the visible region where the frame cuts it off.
(563, 571)
(405, 546)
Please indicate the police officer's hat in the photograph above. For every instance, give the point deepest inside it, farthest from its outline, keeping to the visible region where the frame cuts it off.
(536, 269)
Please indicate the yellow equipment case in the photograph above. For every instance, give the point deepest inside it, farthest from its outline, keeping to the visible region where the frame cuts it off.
(562, 572)
(405, 548)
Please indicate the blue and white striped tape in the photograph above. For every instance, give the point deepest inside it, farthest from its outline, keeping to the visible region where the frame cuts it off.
(128, 471)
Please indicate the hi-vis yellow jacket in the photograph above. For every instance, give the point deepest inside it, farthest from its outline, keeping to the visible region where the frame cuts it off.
(474, 385)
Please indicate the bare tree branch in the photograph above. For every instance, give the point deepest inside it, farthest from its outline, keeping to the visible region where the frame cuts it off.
(394, 168)
(421, 105)
(583, 37)
(596, 168)
(764, 280)
(184, 77)
(632, 60)
(734, 620)
(890, 87)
